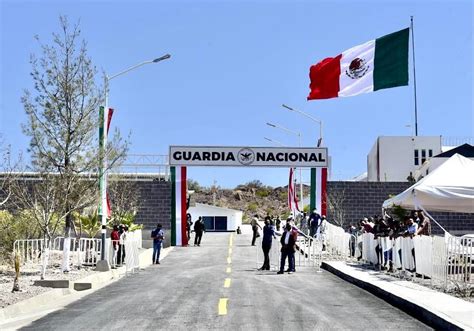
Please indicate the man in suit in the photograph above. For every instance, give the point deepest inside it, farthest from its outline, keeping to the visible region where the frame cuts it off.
(287, 248)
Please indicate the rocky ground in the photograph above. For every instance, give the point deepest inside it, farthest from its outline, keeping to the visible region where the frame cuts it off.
(261, 200)
(27, 278)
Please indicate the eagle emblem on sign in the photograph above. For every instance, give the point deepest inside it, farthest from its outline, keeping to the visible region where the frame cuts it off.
(357, 69)
(246, 156)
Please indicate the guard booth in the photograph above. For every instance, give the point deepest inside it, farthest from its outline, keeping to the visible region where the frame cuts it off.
(181, 157)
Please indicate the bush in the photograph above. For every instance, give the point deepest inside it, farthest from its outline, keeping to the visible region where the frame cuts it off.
(252, 207)
(193, 185)
(14, 227)
(262, 193)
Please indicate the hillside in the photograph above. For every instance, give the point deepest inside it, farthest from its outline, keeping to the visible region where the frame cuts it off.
(251, 198)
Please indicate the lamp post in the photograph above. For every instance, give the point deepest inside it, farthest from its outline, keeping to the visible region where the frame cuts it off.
(103, 264)
(274, 141)
(311, 118)
(299, 143)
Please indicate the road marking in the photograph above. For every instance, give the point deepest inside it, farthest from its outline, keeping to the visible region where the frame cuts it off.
(229, 260)
(231, 238)
(227, 283)
(228, 270)
(222, 307)
(230, 251)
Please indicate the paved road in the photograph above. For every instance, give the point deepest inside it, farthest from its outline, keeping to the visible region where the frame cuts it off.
(187, 291)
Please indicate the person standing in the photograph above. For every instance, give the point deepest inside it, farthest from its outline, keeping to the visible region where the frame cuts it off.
(287, 248)
(115, 237)
(198, 230)
(268, 235)
(424, 228)
(189, 222)
(255, 227)
(278, 223)
(322, 231)
(158, 235)
(314, 219)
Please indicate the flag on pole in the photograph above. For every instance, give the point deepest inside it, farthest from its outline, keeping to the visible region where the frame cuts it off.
(292, 199)
(109, 210)
(109, 118)
(377, 64)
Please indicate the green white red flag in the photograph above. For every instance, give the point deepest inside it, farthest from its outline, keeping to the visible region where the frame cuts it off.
(377, 64)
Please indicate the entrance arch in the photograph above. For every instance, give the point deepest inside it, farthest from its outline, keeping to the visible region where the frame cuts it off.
(181, 157)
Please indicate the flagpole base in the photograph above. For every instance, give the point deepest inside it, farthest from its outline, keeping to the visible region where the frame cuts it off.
(102, 265)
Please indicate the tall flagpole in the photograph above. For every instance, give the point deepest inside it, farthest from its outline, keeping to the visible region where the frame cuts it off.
(414, 73)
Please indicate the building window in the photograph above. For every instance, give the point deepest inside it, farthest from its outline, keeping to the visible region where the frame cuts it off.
(417, 160)
(423, 156)
(215, 223)
(430, 153)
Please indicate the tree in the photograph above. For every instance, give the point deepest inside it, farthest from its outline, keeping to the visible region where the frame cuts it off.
(62, 124)
(335, 204)
(7, 167)
(125, 198)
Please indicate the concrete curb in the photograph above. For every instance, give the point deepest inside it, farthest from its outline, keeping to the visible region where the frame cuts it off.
(49, 301)
(412, 309)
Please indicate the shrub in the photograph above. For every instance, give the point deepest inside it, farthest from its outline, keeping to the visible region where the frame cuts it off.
(262, 192)
(252, 207)
(14, 227)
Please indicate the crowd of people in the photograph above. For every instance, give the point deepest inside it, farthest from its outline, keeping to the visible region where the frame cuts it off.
(414, 224)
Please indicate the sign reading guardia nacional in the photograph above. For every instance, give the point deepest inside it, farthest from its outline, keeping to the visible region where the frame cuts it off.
(248, 156)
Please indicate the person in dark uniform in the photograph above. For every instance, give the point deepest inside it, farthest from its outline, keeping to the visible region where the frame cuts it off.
(268, 235)
(198, 230)
(287, 248)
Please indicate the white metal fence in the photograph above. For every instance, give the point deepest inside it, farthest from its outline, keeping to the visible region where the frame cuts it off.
(82, 252)
(448, 262)
(30, 250)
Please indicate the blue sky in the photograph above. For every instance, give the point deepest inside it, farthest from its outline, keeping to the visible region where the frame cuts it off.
(235, 62)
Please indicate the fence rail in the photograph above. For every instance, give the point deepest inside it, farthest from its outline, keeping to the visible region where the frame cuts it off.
(82, 251)
(448, 262)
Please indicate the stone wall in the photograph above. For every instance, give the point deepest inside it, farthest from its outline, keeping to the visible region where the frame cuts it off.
(361, 199)
(155, 205)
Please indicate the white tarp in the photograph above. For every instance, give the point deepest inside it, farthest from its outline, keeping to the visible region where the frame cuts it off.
(450, 188)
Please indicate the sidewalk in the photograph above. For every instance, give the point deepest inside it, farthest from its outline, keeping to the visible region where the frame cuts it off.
(24, 312)
(439, 310)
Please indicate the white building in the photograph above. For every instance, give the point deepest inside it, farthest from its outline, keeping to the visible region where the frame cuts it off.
(465, 150)
(217, 218)
(394, 159)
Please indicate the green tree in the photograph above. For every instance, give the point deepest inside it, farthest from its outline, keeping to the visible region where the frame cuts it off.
(62, 111)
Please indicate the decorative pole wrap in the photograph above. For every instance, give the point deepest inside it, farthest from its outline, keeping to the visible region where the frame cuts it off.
(178, 206)
(318, 198)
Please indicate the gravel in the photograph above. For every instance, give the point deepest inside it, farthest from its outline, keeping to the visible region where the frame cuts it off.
(27, 277)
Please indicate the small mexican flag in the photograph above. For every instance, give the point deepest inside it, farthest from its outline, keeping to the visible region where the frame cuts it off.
(375, 65)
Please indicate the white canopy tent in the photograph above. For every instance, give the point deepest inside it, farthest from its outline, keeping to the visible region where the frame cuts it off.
(448, 188)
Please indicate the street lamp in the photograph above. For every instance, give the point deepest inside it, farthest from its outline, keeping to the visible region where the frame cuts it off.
(103, 264)
(311, 118)
(299, 143)
(274, 141)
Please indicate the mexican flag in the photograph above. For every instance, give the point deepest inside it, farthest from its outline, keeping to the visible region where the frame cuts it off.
(375, 65)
